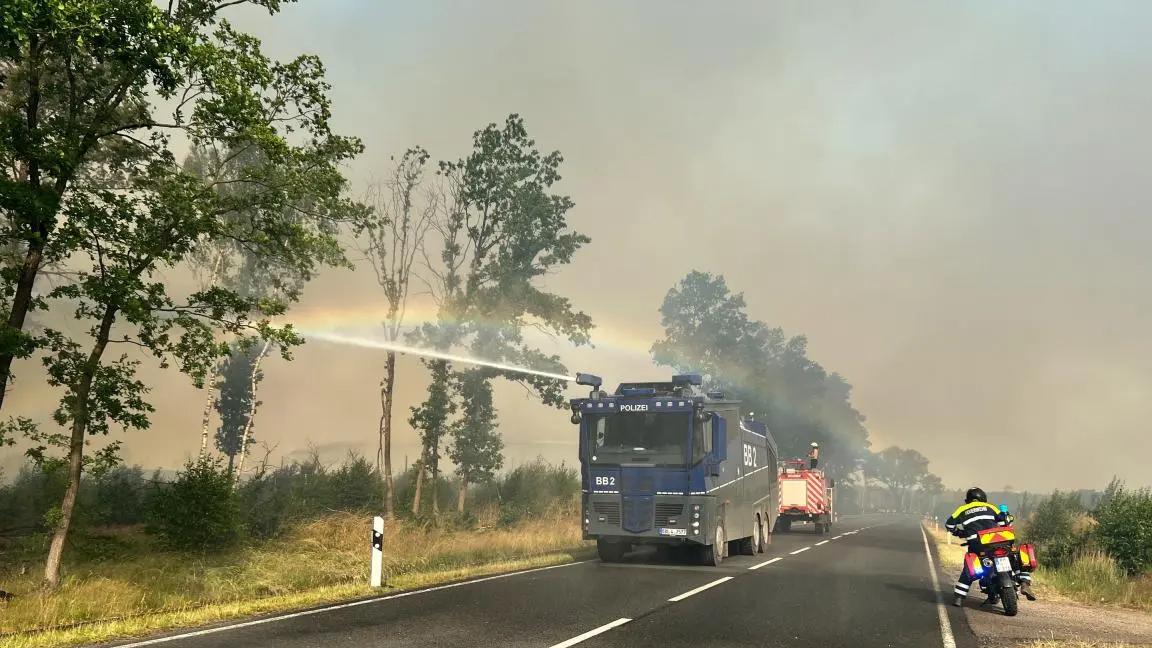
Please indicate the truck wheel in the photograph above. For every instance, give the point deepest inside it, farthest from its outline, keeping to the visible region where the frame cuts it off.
(783, 525)
(611, 551)
(714, 555)
(748, 546)
(761, 547)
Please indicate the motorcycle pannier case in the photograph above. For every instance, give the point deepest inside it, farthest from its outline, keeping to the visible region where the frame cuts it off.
(1027, 557)
(972, 564)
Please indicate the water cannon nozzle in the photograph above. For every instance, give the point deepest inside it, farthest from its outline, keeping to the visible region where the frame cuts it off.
(589, 380)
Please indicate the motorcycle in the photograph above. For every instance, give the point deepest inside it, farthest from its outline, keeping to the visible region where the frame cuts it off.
(998, 563)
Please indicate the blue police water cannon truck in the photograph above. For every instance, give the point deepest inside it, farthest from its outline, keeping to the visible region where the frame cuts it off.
(668, 464)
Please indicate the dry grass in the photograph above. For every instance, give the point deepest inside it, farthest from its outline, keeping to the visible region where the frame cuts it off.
(1074, 643)
(1092, 578)
(1095, 578)
(323, 561)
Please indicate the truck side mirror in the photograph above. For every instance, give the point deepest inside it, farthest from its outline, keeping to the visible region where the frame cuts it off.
(719, 438)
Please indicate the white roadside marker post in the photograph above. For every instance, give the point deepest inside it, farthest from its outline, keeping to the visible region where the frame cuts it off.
(377, 551)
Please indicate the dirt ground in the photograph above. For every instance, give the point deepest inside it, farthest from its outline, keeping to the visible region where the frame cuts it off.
(1057, 620)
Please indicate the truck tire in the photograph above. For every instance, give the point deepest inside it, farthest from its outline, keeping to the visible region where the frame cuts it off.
(748, 546)
(611, 551)
(713, 554)
(1008, 595)
(761, 541)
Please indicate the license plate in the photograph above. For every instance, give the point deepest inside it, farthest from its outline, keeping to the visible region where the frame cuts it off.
(673, 532)
(1003, 564)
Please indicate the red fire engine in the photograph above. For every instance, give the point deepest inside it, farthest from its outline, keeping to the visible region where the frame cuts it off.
(805, 496)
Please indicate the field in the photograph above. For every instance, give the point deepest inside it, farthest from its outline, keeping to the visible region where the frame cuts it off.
(126, 586)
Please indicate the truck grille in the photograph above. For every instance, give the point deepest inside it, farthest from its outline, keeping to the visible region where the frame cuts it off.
(610, 511)
(637, 514)
(665, 513)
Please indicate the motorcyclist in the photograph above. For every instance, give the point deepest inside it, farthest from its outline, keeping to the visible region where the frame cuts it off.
(966, 522)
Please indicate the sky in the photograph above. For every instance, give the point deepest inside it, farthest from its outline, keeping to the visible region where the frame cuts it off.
(948, 199)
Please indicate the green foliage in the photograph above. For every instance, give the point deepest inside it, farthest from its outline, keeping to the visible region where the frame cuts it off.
(503, 229)
(531, 490)
(199, 511)
(118, 497)
(1056, 527)
(431, 418)
(707, 329)
(476, 444)
(1124, 527)
(25, 503)
(234, 401)
(273, 501)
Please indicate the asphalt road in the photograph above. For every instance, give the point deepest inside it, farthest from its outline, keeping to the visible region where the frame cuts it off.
(867, 583)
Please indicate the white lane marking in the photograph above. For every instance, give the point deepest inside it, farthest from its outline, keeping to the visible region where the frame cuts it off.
(799, 551)
(700, 589)
(821, 543)
(838, 537)
(591, 633)
(766, 563)
(234, 626)
(945, 626)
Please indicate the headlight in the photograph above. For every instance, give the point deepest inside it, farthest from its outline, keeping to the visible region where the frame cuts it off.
(696, 515)
(696, 523)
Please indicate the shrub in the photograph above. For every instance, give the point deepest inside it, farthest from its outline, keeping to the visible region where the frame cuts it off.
(199, 511)
(1057, 527)
(118, 496)
(1124, 527)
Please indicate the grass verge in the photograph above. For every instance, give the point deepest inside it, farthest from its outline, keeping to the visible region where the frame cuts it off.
(1092, 578)
(1073, 643)
(142, 590)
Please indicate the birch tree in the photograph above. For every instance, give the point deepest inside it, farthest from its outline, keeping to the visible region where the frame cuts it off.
(402, 215)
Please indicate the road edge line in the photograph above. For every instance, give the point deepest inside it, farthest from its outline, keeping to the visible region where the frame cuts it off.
(681, 597)
(591, 633)
(339, 606)
(946, 636)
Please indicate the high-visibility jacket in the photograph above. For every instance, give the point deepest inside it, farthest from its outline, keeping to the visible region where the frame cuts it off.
(971, 518)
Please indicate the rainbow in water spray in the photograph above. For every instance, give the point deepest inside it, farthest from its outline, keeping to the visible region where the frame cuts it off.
(384, 345)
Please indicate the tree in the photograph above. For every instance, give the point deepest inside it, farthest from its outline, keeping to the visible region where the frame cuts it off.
(97, 184)
(476, 446)
(394, 237)
(707, 329)
(235, 403)
(432, 418)
(900, 469)
(501, 230)
(76, 79)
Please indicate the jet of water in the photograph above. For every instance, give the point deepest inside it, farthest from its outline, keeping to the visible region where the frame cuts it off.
(385, 345)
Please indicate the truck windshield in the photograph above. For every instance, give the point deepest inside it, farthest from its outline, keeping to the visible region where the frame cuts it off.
(639, 437)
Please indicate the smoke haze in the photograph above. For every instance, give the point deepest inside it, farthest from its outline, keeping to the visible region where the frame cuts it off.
(949, 199)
